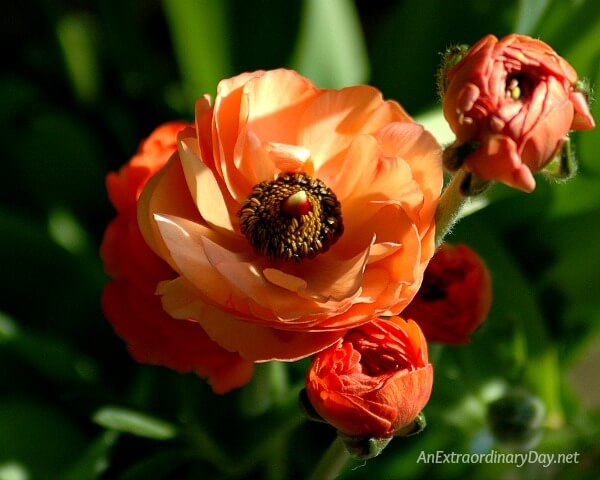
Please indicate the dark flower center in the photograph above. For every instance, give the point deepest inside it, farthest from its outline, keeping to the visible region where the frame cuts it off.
(518, 86)
(433, 290)
(291, 218)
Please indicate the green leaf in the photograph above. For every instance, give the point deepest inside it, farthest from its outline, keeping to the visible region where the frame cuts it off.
(95, 460)
(76, 38)
(8, 328)
(268, 386)
(136, 423)
(199, 31)
(67, 232)
(529, 14)
(13, 471)
(330, 49)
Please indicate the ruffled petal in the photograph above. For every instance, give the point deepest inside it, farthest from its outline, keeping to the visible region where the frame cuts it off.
(204, 188)
(185, 241)
(157, 197)
(253, 342)
(275, 102)
(263, 344)
(331, 122)
(420, 150)
(328, 279)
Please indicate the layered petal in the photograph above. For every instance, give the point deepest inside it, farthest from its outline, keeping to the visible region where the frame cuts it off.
(153, 337)
(374, 381)
(129, 301)
(255, 273)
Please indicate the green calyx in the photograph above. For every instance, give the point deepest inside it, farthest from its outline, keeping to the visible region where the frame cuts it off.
(584, 86)
(417, 426)
(454, 156)
(364, 448)
(563, 166)
(450, 58)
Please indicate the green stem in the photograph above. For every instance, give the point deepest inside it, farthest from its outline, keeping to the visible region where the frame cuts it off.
(332, 462)
(449, 207)
(269, 386)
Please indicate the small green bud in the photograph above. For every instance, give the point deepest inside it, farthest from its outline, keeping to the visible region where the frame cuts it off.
(563, 166)
(516, 419)
(450, 57)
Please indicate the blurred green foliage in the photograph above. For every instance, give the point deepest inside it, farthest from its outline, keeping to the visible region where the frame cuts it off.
(84, 81)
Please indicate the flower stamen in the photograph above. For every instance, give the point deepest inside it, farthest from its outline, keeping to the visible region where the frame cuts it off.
(291, 218)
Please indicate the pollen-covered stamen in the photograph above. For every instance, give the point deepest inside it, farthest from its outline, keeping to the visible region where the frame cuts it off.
(291, 218)
(513, 90)
(519, 86)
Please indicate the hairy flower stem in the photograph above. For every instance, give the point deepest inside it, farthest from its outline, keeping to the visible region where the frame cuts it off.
(332, 462)
(449, 208)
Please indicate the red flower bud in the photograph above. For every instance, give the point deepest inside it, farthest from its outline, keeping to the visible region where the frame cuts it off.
(455, 296)
(515, 100)
(374, 381)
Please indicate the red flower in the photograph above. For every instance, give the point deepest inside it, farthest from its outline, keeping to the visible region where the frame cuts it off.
(374, 381)
(455, 296)
(129, 301)
(515, 100)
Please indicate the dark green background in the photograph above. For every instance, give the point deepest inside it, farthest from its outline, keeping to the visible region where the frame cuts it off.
(84, 81)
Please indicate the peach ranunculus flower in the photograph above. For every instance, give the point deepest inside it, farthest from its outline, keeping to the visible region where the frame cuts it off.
(374, 381)
(513, 101)
(129, 301)
(293, 214)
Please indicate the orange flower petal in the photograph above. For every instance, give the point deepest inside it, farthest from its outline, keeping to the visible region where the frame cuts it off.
(185, 241)
(338, 111)
(329, 279)
(583, 119)
(276, 101)
(253, 164)
(262, 344)
(420, 150)
(157, 196)
(204, 188)
(497, 158)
